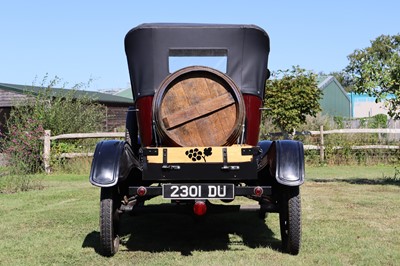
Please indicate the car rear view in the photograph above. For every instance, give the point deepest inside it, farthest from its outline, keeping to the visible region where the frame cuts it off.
(192, 134)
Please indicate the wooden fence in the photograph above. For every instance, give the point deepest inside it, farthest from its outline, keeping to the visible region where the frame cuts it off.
(321, 146)
(48, 138)
(321, 133)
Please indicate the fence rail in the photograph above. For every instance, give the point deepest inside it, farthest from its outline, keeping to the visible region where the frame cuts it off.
(343, 131)
(356, 131)
(322, 133)
(364, 147)
(88, 135)
(48, 138)
(321, 146)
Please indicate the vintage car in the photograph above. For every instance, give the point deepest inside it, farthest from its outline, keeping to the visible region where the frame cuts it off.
(193, 132)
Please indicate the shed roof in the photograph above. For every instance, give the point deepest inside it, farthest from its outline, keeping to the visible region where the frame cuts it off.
(324, 81)
(127, 93)
(60, 92)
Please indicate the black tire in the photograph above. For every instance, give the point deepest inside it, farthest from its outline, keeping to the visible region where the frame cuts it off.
(109, 221)
(290, 219)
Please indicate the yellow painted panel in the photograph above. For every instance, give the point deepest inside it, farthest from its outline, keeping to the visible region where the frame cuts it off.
(201, 155)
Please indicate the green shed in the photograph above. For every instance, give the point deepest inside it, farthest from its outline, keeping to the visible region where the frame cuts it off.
(335, 101)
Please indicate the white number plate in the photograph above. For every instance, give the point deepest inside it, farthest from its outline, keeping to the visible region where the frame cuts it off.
(198, 191)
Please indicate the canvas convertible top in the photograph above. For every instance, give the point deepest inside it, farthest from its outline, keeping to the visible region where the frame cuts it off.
(149, 46)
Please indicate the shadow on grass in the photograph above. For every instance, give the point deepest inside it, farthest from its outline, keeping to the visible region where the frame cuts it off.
(182, 233)
(360, 181)
(92, 240)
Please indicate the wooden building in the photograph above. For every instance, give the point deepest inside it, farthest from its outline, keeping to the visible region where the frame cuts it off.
(116, 106)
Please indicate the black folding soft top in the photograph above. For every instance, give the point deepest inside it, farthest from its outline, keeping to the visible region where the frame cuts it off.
(149, 46)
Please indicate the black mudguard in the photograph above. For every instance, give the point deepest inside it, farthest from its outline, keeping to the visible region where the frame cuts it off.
(285, 159)
(112, 162)
(264, 145)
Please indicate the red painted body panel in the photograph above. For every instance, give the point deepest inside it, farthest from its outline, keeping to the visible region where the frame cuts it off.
(253, 118)
(144, 104)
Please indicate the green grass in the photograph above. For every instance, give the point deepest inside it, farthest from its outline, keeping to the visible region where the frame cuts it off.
(351, 216)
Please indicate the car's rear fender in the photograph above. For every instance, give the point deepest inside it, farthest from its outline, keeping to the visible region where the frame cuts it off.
(112, 162)
(285, 159)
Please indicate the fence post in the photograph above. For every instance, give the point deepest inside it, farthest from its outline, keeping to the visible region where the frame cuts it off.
(46, 151)
(321, 144)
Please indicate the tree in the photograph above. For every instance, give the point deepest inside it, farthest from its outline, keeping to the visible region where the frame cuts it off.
(290, 96)
(375, 70)
(344, 80)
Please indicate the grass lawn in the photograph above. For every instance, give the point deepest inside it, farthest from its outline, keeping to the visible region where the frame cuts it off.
(351, 216)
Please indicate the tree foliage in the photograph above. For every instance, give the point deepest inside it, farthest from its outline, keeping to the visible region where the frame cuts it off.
(290, 96)
(344, 80)
(375, 70)
(62, 111)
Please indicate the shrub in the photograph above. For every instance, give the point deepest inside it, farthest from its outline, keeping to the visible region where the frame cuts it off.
(61, 111)
(379, 121)
(22, 144)
(23, 147)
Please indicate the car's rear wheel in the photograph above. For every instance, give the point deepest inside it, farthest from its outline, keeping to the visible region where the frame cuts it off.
(109, 221)
(290, 219)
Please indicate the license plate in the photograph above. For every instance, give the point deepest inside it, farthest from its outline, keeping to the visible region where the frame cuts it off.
(198, 191)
